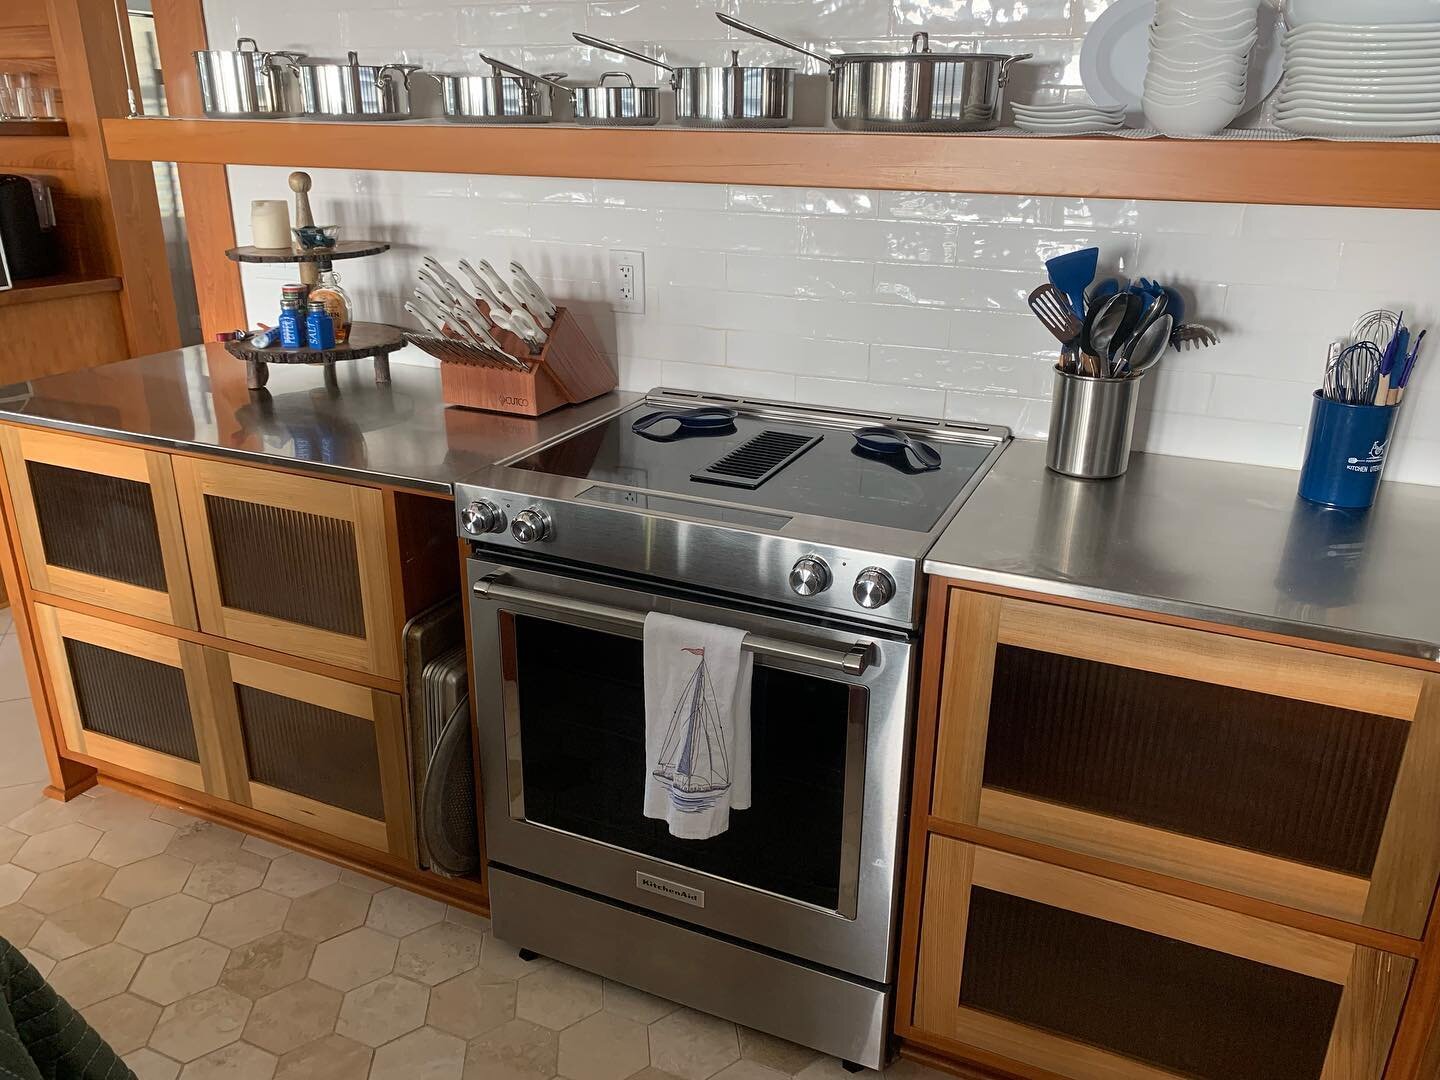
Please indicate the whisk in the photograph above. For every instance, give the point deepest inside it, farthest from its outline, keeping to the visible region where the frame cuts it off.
(1376, 327)
(1352, 372)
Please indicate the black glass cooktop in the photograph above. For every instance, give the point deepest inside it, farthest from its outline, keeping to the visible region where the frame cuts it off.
(832, 479)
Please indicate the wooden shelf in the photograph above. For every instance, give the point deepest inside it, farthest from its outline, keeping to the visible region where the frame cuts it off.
(1302, 172)
(33, 128)
(38, 290)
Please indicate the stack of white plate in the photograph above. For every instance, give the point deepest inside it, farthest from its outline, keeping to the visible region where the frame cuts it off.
(1075, 118)
(1199, 64)
(1376, 78)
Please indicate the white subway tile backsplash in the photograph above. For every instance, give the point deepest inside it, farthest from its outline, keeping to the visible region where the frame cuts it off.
(818, 279)
(907, 400)
(488, 25)
(796, 355)
(901, 241)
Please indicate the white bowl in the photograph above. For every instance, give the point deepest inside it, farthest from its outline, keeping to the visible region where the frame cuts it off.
(1304, 12)
(1199, 101)
(1194, 118)
(1200, 48)
(1218, 65)
(1183, 81)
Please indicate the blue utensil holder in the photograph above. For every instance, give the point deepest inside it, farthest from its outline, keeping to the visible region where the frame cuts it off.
(1346, 452)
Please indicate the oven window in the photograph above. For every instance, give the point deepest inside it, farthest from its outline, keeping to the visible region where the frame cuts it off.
(582, 737)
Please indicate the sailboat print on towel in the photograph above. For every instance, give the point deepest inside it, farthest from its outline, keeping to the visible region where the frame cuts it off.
(694, 760)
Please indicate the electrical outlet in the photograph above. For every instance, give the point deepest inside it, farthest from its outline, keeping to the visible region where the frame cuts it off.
(627, 281)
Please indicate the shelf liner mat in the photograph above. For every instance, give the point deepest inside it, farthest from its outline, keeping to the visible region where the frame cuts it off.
(1228, 135)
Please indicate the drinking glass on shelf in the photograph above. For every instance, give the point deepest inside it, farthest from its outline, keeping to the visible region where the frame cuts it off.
(17, 95)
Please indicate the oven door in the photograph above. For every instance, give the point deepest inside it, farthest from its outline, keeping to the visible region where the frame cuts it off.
(811, 869)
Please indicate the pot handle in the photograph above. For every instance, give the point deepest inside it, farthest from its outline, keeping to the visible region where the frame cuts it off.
(630, 79)
(620, 50)
(240, 45)
(765, 35)
(403, 69)
(510, 69)
(1005, 67)
(275, 60)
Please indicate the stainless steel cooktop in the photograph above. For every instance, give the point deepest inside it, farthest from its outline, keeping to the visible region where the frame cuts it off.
(781, 505)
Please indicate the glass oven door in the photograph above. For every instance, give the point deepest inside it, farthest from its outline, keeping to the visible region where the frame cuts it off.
(811, 868)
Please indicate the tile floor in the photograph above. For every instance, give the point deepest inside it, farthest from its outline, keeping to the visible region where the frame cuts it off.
(205, 954)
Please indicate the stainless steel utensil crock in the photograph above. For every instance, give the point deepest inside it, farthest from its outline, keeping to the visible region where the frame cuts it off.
(617, 106)
(729, 97)
(355, 91)
(916, 91)
(1092, 424)
(244, 83)
(517, 97)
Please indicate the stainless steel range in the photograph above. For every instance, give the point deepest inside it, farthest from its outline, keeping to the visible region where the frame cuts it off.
(768, 517)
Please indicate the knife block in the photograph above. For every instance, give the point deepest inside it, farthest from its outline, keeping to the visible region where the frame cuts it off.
(568, 370)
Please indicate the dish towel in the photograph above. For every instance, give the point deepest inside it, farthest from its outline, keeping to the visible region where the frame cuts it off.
(697, 725)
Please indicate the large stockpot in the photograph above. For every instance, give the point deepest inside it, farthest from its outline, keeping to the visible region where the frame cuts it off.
(245, 82)
(355, 91)
(916, 91)
(729, 96)
(616, 106)
(517, 97)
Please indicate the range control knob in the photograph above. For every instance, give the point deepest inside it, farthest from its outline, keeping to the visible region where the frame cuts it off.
(873, 588)
(531, 526)
(810, 576)
(482, 517)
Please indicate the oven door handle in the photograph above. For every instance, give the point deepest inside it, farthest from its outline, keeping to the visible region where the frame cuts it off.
(855, 660)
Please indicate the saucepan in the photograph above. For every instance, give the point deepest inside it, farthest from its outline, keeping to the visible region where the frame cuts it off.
(919, 90)
(355, 91)
(516, 97)
(729, 96)
(246, 82)
(603, 105)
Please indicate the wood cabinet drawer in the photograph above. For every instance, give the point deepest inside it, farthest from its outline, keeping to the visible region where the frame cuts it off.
(1094, 979)
(291, 563)
(1275, 772)
(99, 523)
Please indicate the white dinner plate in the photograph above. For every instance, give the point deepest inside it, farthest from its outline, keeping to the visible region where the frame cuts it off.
(1343, 98)
(1117, 49)
(1429, 54)
(1339, 67)
(1305, 125)
(1309, 12)
(1364, 31)
(1360, 112)
(1321, 87)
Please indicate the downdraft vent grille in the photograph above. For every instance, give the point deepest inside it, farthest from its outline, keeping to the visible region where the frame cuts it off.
(757, 460)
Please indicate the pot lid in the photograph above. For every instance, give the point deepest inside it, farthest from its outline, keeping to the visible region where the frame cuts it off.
(920, 50)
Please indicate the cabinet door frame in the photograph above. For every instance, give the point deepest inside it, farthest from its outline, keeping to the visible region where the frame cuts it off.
(378, 651)
(174, 605)
(1374, 982)
(56, 624)
(396, 834)
(1397, 895)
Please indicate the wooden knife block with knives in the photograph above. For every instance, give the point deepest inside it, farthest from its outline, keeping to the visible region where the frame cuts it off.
(569, 369)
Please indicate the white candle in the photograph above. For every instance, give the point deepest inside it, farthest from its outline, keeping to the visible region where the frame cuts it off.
(270, 223)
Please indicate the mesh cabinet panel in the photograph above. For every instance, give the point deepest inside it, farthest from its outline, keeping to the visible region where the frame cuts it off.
(133, 699)
(298, 567)
(1300, 781)
(95, 524)
(319, 753)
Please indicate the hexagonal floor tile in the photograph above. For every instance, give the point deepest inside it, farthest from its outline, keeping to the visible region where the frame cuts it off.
(425, 1054)
(124, 1021)
(745, 1069)
(238, 1061)
(48, 850)
(200, 840)
(288, 1019)
(55, 890)
(471, 1004)
(146, 880)
(45, 815)
(328, 912)
(775, 1053)
(10, 842)
(213, 880)
(105, 808)
(267, 965)
(133, 841)
(81, 926)
(18, 924)
(635, 1004)
(14, 881)
(502, 960)
(267, 849)
(559, 996)
(401, 913)
(438, 953)
(95, 975)
(354, 958)
(146, 1064)
(245, 918)
(461, 917)
(603, 1047)
(331, 1058)
(382, 1010)
(693, 1045)
(196, 1025)
(179, 971)
(294, 874)
(39, 961)
(518, 1050)
(164, 922)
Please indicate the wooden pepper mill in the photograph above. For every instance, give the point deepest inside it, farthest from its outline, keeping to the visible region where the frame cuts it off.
(300, 185)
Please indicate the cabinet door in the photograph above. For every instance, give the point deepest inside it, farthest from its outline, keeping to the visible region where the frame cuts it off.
(1098, 980)
(99, 523)
(316, 751)
(132, 698)
(290, 563)
(1292, 776)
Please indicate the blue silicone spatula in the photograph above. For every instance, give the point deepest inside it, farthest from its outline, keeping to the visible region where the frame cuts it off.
(1072, 274)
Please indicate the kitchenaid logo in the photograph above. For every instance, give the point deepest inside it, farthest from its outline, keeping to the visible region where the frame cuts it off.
(693, 897)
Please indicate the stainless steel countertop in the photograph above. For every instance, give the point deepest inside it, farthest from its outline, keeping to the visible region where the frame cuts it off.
(1226, 543)
(196, 399)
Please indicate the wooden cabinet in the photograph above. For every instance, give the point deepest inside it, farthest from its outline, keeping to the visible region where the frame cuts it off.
(132, 698)
(291, 563)
(314, 750)
(1297, 777)
(1083, 977)
(99, 523)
